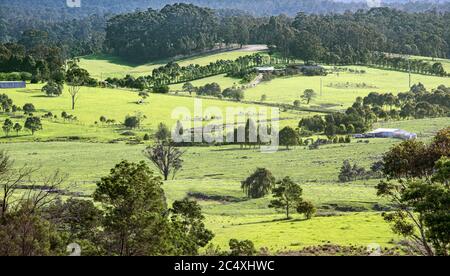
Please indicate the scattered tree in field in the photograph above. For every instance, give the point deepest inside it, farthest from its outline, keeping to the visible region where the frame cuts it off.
(297, 103)
(6, 104)
(233, 93)
(103, 119)
(306, 208)
(308, 95)
(188, 87)
(17, 128)
(144, 95)
(287, 194)
(161, 89)
(166, 157)
(210, 89)
(163, 133)
(28, 108)
(7, 126)
(52, 89)
(259, 184)
(33, 124)
(134, 121)
(75, 78)
(241, 248)
(289, 137)
(417, 186)
(263, 98)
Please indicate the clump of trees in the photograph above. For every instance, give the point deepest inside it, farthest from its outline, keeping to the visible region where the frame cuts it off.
(417, 185)
(354, 172)
(130, 216)
(417, 103)
(287, 194)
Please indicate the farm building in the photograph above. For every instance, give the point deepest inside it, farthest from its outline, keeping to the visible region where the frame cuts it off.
(265, 69)
(12, 84)
(391, 133)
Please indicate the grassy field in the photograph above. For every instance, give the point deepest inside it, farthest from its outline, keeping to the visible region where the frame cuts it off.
(347, 212)
(217, 171)
(340, 90)
(104, 66)
(113, 104)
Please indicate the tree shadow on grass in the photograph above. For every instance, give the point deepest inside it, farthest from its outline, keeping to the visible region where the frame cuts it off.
(234, 149)
(284, 220)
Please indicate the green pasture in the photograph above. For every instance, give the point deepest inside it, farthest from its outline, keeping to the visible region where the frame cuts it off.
(216, 172)
(104, 66)
(339, 90)
(114, 104)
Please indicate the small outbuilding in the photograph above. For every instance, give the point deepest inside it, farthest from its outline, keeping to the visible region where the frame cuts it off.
(391, 133)
(12, 84)
(265, 69)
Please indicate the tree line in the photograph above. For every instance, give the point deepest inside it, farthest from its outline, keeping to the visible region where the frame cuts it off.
(173, 73)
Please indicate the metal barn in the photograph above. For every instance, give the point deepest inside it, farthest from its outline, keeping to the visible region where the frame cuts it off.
(12, 84)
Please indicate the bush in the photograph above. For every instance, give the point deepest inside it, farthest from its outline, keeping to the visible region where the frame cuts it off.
(132, 122)
(161, 89)
(242, 248)
(146, 137)
(306, 208)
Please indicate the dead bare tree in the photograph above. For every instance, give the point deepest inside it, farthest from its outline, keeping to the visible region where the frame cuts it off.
(40, 190)
(166, 157)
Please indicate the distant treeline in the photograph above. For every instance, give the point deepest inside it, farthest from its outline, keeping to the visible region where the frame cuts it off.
(185, 29)
(41, 61)
(349, 38)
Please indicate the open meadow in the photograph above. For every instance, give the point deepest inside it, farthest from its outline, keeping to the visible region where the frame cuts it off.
(340, 89)
(347, 212)
(104, 66)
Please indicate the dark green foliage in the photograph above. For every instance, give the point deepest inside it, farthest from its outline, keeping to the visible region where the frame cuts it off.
(163, 133)
(306, 208)
(315, 123)
(242, 248)
(422, 212)
(33, 124)
(28, 108)
(259, 184)
(233, 93)
(210, 89)
(162, 89)
(52, 89)
(134, 205)
(289, 137)
(287, 195)
(189, 229)
(132, 122)
(181, 29)
(7, 126)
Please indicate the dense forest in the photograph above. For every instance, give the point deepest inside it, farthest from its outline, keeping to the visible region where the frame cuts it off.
(340, 39)
(182, 29)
